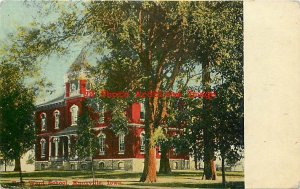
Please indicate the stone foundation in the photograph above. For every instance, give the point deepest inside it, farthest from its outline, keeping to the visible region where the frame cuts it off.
(136, 165)
(41, 165)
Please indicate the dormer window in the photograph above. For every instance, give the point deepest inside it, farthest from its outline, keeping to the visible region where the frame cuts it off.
(43, 148)
(142, 112)
(56, 115)
(74, 114)
(43, 121)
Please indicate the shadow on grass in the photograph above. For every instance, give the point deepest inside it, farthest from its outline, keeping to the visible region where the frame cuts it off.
(107, 174)
(200, 173)
(236, 185)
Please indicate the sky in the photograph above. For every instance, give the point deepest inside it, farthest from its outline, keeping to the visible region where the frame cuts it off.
(17, 13)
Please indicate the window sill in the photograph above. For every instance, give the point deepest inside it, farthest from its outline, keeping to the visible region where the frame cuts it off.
(121, 153)
(102, 153)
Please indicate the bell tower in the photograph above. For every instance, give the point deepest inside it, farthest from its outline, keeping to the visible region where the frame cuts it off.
(76, 79)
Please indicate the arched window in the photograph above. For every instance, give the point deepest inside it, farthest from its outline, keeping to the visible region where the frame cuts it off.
(56, 115)
(102, 144)
(121, 165)
(142, 112)
(43, 121)
(83, 166)
(43, 147)
(121, 143)
(74, 89)
(101, 165)
(74, 114)
(175, 165)
(142, 137)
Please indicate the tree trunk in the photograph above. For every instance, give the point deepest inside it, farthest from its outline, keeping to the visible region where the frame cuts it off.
(149, 173)
(5, 165)
(21, 176)
(213, 170)
(208, 137)
(93, 172)
(164, 166)
(17, 164)
(207, 170)
(209, 158)
(223, 173)
(196, 160)
(18, 168)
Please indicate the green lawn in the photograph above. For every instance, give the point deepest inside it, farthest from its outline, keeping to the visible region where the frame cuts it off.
(121, 179)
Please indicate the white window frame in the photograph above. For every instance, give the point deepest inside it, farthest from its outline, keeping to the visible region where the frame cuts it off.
(56, 115)
(102, 137)
(76, 91)
(43, 147)
(43, 124)
(74, 118)
(121, 143)
(142, 139)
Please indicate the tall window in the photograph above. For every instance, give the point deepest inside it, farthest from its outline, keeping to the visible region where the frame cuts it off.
(43, 147)
(43, 121)
(74, 114)
(142, 136)
(121, 143)
(142, 112)
(102, 144)
(74, 89)
(56, 119)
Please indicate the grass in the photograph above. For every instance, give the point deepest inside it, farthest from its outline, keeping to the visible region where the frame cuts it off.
(123, 179)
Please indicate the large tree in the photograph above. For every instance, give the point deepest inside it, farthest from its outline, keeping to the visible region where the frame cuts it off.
(151, 40)
(16, 113)
(219, 27)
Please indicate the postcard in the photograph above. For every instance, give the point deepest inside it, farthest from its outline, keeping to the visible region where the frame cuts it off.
(149, 94)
